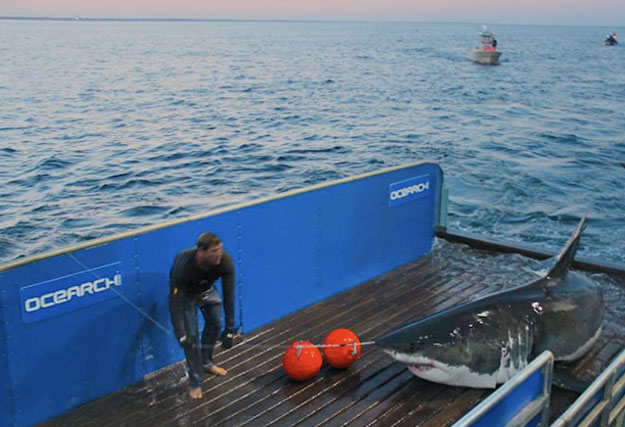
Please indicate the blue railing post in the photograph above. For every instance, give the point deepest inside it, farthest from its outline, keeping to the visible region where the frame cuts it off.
(603, 400)
(521, 401)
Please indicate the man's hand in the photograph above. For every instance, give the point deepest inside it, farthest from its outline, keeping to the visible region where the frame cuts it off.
(226, 338)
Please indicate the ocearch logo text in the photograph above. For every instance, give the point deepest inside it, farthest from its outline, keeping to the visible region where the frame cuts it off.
(65, 295)
(409, 189)
(71, 292)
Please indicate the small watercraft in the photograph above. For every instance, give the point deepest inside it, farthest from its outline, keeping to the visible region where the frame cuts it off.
(610, 40)
(486, 52)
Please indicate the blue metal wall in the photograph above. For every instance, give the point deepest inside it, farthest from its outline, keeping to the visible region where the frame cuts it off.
(88, 322)
(7, 414)
(515, 402)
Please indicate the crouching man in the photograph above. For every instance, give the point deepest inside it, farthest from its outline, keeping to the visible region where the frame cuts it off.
(192, 287)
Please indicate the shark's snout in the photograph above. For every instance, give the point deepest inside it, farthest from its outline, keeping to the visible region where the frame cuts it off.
(386, 342)
(402, 340)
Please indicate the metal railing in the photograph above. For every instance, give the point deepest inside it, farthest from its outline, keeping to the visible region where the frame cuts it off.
(603, 403)
(506, 405)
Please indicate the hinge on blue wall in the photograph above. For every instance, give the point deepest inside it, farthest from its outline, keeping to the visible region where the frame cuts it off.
(442, 210)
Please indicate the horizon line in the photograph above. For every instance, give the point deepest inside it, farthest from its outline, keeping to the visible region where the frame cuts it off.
(299, 20)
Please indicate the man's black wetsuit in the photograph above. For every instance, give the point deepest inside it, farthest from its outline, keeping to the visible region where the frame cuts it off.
(189, 287)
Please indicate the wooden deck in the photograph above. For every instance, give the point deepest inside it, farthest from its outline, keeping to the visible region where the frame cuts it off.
(373, 391)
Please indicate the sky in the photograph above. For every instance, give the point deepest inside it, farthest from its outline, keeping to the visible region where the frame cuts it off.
(563, 12)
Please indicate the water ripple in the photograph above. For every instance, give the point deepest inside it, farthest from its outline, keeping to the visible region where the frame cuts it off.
(128, 124)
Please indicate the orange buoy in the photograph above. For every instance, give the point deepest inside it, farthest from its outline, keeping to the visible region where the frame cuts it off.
(348, 352)
(302, 360)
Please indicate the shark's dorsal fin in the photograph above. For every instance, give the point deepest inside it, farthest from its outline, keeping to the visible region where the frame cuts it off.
(541, 268)
(566, 255)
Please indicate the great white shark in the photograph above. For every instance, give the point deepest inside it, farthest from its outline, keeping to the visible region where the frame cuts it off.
(485, 342)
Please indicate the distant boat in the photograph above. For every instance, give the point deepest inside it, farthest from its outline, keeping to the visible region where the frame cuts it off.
(486, 52)
(610, 40)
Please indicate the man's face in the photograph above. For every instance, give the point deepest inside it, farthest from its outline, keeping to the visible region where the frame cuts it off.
(211, 255)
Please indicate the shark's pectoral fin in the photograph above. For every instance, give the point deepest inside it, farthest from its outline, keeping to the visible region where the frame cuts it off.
(563, 378)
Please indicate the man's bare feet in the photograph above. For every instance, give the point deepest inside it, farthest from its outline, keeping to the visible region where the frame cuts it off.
(195, 393)
(218, 370)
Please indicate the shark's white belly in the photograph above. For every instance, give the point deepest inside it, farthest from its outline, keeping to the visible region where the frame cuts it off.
(582, 350)
(455, 375)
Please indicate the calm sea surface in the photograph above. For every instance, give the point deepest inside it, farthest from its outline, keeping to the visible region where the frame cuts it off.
(108, 126)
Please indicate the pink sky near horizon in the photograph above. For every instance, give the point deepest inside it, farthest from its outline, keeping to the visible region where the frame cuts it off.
(575, 12)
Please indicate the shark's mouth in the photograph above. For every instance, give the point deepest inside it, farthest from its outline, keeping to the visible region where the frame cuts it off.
(413, 362)
(419, 369)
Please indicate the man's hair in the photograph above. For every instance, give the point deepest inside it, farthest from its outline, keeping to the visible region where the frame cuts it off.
(206, 240)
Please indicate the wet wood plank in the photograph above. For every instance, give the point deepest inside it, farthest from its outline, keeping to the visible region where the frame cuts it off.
(373, 391)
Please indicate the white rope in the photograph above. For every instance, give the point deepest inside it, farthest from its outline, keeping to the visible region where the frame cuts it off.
(300, 346)
(123, 297)
(168, 332)
(337, 345)
(352, 344)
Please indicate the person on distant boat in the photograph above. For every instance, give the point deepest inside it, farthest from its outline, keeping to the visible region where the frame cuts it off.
(494, 43)
(191, 286)
(611, 39)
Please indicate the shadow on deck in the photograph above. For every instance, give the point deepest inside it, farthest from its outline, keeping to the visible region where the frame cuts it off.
(373, 391)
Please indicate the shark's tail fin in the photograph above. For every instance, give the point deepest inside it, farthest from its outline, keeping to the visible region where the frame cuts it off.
(566, 255)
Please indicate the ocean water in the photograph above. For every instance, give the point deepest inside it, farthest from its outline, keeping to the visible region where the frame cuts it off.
(109, 126)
